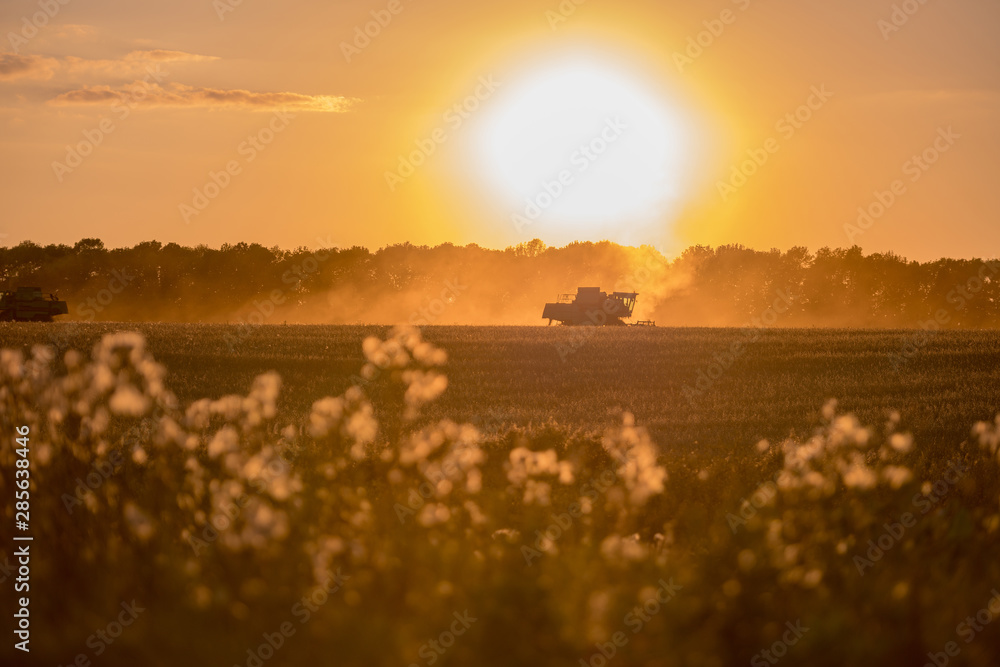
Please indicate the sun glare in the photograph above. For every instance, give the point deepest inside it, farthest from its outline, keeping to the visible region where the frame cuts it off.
(582, 149)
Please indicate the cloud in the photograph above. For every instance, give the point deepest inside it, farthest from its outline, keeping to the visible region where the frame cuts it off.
(165, 56)
(73, 31)
(146, 64)
(141, 94)
(133, 63)
(14, 66)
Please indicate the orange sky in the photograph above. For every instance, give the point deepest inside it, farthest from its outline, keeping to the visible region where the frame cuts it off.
(160, 95)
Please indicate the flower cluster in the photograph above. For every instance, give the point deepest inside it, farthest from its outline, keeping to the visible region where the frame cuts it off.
(988, 435)
(844, 454)
(636, 453)
(351, 416)
(237, 507)
(414, 361)
(536, 472)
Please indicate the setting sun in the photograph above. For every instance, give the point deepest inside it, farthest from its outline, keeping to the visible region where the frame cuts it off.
(582, 148)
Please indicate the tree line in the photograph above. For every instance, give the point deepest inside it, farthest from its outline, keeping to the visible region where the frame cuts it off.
(723, 286)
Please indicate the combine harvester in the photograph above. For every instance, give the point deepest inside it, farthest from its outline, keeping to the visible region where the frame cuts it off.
(28, 304)
(592, 307)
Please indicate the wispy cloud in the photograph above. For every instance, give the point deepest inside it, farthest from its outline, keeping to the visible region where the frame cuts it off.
(133, 63)
(14, 66)
(166, 56)
(145, 93)
(73, 31)
(180, 95)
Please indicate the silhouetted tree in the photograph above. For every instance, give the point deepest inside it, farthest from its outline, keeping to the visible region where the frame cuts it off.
(726, 285)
